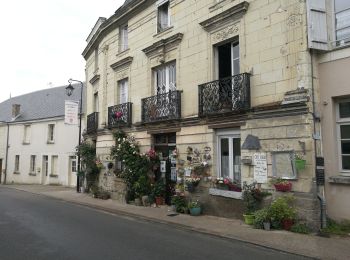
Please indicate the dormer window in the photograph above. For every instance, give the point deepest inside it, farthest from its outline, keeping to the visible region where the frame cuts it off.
(163, 15)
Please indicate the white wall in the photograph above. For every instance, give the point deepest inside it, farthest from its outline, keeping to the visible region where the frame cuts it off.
(65, 141)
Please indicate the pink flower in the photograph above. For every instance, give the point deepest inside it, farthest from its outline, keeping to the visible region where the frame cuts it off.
(118, 114)
(226, 181)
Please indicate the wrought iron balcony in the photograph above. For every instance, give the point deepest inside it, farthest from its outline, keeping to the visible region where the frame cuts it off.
(120, 115)
(230, 94)
(162, 107)
(92, 123)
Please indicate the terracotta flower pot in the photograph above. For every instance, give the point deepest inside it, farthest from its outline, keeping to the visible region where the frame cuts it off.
(287, 224)
(159, 201)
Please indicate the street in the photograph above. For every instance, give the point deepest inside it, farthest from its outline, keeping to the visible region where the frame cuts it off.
(37, 227)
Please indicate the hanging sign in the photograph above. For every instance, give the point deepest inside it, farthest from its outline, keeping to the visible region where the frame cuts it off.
(71, 112)
(162, 166)
(260, 168)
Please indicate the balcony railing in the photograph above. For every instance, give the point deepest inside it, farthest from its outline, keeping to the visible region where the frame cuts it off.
(162, 107)
(230, 94)
(120, 115)
(92, 123)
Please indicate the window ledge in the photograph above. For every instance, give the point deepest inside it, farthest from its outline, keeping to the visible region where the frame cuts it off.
(50, 142)
(164, 31)
(26, 143)
(16, 173)
(53, 175)
(225, 193)
(339, 180)
(32, 174)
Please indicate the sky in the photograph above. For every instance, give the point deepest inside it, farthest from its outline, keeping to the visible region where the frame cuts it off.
(42, 42)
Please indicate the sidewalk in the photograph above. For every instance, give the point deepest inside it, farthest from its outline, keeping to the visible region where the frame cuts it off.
(307, 245)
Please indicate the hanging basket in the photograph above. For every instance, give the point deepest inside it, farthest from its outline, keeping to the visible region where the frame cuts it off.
(300, 164)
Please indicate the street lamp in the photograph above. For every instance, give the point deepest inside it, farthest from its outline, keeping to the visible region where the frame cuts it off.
(69, 92)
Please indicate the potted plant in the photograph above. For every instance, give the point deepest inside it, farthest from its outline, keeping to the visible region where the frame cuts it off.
(195, 208)
(179, 203)
(299, 161)
(251, 201)
(262, 219)
(158, 192)
(282, 212)
(191, 183)
(282, 185)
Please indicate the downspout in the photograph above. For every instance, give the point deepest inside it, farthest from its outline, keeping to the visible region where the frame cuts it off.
(319, 190)
(7, 151)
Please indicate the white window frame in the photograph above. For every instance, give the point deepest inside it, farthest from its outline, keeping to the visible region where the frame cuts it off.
(32, 163)
(159, 4)
(54, 165)
(123, 85)
(27, 134)
(123, 38)
(335, 25)
(170, 77)
(17, 159)
(46, 165)
(339, 123)
(73, 164)
(230, 134)
(51, 133)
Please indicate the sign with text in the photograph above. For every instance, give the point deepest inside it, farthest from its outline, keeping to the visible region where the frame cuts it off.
(260, 168)
(71, 112)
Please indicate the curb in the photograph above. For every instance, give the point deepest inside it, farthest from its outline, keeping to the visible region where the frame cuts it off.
(164, 222)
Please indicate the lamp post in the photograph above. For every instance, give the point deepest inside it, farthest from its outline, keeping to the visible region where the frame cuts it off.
(69, 92)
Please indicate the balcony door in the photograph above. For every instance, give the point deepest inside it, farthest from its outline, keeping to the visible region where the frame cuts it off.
(228, 59)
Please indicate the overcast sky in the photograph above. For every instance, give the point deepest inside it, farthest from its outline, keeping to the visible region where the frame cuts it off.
(42, 41)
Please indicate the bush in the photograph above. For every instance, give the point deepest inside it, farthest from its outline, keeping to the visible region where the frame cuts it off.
(261, 216)
(180, 203)
(281, 209)
(300, 228)
(333, 227)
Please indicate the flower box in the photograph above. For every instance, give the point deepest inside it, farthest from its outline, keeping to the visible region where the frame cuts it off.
(284, 187)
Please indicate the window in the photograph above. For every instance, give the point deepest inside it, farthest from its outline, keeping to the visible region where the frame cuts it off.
(283, 165)
(96, 102)
(123, 38)
(54, 160)
(96, 59)
(17, 163)
(45, 164)
(229, 155)
(32, 163)
(165, 78)
(228, 59)
(26, 136)
(51, 133)
(163, 16)
(343, 125)
(342, 20)
(73, 164)
(123, 91)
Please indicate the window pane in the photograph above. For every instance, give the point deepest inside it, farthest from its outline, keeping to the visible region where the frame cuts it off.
(346, 162)
(344, 109)
(345, 147)
(225, 167)
(345, 131)
(343, 34)
(237, 159)
(341, 5)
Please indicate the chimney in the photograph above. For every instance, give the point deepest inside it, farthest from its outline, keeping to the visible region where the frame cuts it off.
(16, 109)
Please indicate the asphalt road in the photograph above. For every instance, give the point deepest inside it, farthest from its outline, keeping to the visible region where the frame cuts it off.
(37, 227)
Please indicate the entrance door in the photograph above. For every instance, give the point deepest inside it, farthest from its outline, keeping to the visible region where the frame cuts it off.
(45, 168)
(165, 144)
(229, 157)
(72, 172)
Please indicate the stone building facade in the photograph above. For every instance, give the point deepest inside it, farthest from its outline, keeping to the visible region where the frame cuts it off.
(222, 81)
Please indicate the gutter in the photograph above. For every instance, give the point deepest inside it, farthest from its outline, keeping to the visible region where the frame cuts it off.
(320, 190)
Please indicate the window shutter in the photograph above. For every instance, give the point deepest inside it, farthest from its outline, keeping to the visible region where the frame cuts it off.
(317, 24)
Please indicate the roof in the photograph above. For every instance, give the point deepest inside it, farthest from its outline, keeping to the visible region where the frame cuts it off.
(42, 104)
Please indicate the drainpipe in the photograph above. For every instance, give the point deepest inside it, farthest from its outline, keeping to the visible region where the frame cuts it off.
(320, 190)
(7, 151)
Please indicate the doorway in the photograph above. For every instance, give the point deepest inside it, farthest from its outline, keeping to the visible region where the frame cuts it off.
(164, 145)
(72, 171)
(45, 168)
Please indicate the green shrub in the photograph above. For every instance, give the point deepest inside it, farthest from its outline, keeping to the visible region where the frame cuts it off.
(280, 209)
(261, 216)
(180, 203)
(341, 228)
(300, 228)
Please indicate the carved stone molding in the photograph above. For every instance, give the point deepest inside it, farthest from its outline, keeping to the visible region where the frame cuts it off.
(160, 47)
(94, 79)
(231, 14)
(122, 63)
(226, 33)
